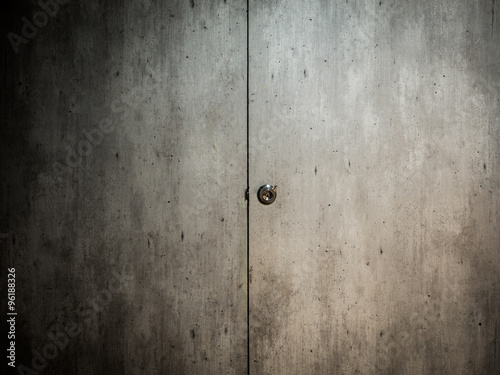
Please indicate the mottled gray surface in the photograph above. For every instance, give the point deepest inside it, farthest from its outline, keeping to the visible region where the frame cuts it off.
(379, 122)
(159, 198)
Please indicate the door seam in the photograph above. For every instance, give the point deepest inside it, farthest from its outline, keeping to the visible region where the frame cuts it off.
(248, 183)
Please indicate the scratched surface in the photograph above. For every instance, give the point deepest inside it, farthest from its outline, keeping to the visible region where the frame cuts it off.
(379, 122)
(123, 167)
(123, 153)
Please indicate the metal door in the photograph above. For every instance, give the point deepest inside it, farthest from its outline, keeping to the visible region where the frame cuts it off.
(124, 167)
(379, 123)
(123, 177)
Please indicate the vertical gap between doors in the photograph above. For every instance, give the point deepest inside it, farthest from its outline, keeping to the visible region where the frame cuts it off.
(248, 186)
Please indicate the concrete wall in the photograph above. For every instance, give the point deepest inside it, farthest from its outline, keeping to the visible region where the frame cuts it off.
(124, 167)
(379, 121)
(147, 198)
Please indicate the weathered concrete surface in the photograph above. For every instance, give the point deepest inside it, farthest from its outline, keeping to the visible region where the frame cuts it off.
(158, 195)
(379, 122)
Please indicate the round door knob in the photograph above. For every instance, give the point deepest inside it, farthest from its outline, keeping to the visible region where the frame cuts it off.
(267, 194)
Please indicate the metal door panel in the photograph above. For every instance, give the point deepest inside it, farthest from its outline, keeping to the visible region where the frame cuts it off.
(379, 122)
(158, 89)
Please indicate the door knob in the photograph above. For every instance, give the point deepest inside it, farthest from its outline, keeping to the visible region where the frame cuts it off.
(267, 194)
